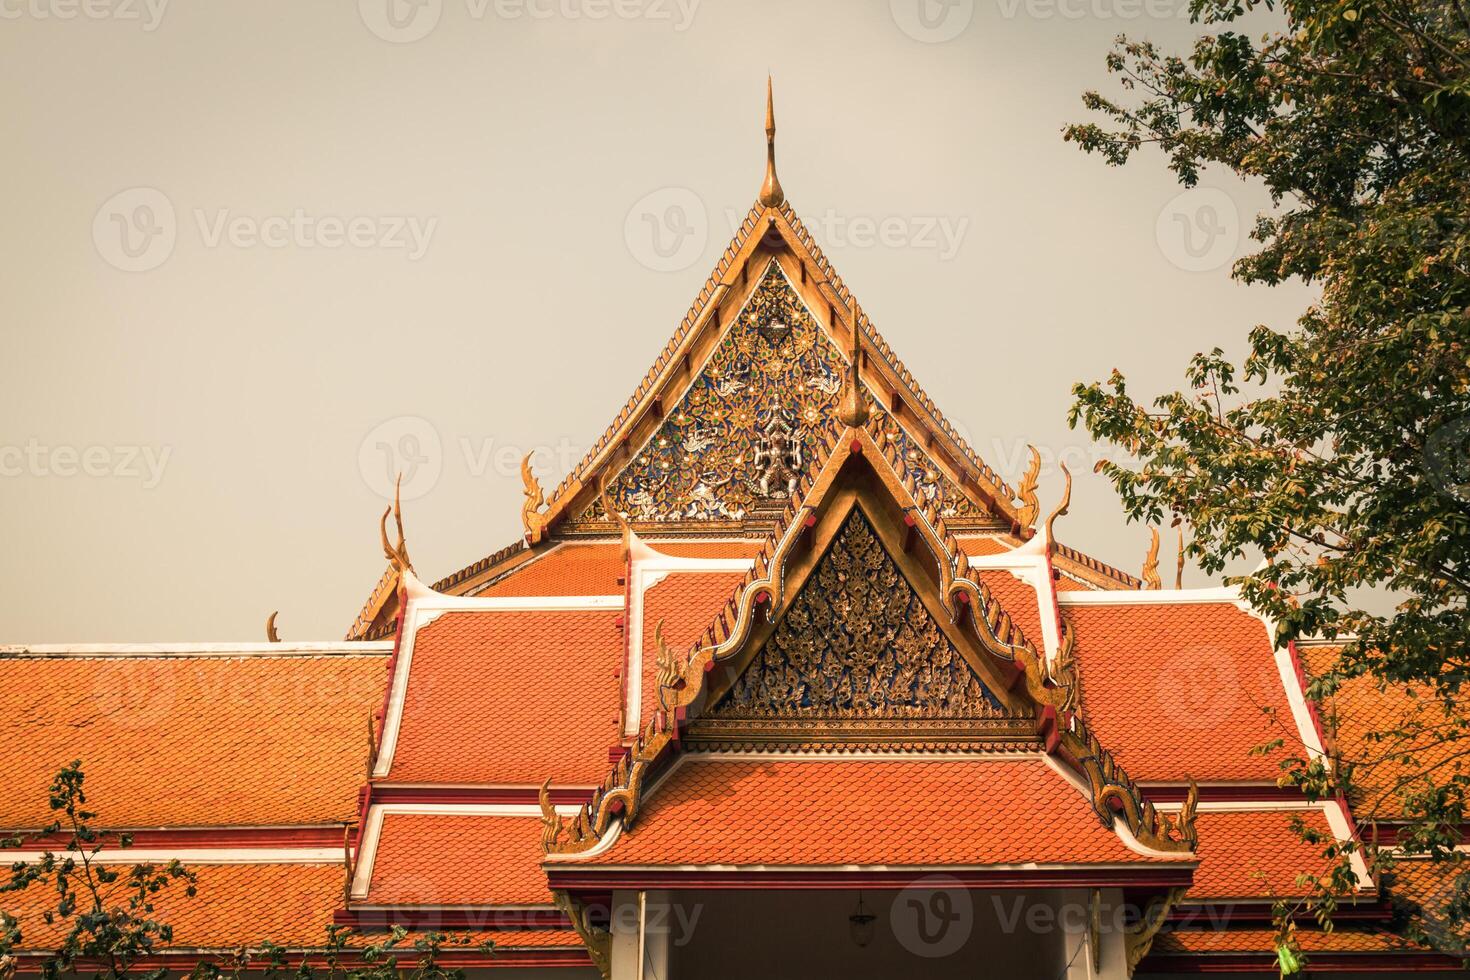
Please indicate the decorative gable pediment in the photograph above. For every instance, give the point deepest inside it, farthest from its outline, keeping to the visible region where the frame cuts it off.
(750, 422)
(859, 644)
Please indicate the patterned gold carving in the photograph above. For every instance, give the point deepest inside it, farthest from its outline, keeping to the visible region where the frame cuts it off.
(1151, 578)
(1061, 509)
(1030, 506)
(397, 554)
(532, 519)
(858, 643)
(597, 939)
(775, 368)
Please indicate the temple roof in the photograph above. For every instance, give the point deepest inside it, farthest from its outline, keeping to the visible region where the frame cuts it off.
(751, 811)
(214, 723)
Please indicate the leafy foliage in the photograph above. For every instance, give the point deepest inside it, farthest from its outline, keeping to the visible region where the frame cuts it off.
(1339, 449)
(108, 912)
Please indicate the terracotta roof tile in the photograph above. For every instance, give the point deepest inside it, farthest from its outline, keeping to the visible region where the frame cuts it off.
(248, 904)
(189, 741)
(594, 569)
(686, 603)
(1016, 598)
(1178, 690)
(990, 544)
(1255, 854)
(511, 698)
(799, 812)
(1362, 706)
(237, 905)
(438, 859)
(1340, 940)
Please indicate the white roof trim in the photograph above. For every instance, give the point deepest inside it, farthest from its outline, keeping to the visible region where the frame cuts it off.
(423, 607)
(340, 648)
(1149, 597)
(195, 855)
(372, 834)
(646, 573)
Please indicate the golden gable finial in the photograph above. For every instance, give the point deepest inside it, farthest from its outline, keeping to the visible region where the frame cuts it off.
(397, 555)
(1061, 509)
(1151, 562)
(772, 196)
(271, 636)
(1030, 506)
(532, 519)
(1179, 567)
(852, 407)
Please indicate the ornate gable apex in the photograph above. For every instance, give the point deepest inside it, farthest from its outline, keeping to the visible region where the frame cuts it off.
(771, 249)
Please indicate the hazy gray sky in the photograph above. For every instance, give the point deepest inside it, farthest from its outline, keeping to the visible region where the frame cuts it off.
(249, 245)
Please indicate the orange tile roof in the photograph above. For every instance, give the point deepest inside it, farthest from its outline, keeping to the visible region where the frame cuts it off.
(1178, 690)
(436, 859)
(1016, 598)
(1362, 706)
(989, 544)
(686, 603)
(841, 811)
(594, 569)
(189, 741)
(1255, 854)
(1340, 940)
(236, 905)
(250, 904)
(511, 698)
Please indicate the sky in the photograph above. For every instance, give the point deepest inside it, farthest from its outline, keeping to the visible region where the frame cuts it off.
(258, 255)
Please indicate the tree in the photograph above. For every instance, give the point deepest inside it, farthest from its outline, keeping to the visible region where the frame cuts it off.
(1338, 448)
(108, 912)
(112, 923)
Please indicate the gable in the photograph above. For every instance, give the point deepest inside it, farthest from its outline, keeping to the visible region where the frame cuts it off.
(858, 643)
(751, 420)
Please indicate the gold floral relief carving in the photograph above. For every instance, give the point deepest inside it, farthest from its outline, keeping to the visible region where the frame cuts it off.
(751, 421)
(858, 643)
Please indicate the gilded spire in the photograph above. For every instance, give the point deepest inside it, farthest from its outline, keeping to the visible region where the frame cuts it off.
(852, 407)
(772, 196)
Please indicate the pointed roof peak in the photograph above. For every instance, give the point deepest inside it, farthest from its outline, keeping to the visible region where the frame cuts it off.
(772, 196)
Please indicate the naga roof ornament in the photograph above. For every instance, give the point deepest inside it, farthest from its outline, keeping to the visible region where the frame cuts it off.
(1179, 565)
(1151, 578)
(1030, 506)
(397, 554)
(1061, 510)
(534, 521)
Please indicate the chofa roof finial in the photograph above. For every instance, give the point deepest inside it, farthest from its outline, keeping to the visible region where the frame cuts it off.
(852, 407)
(772, 196)
(397, 554)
